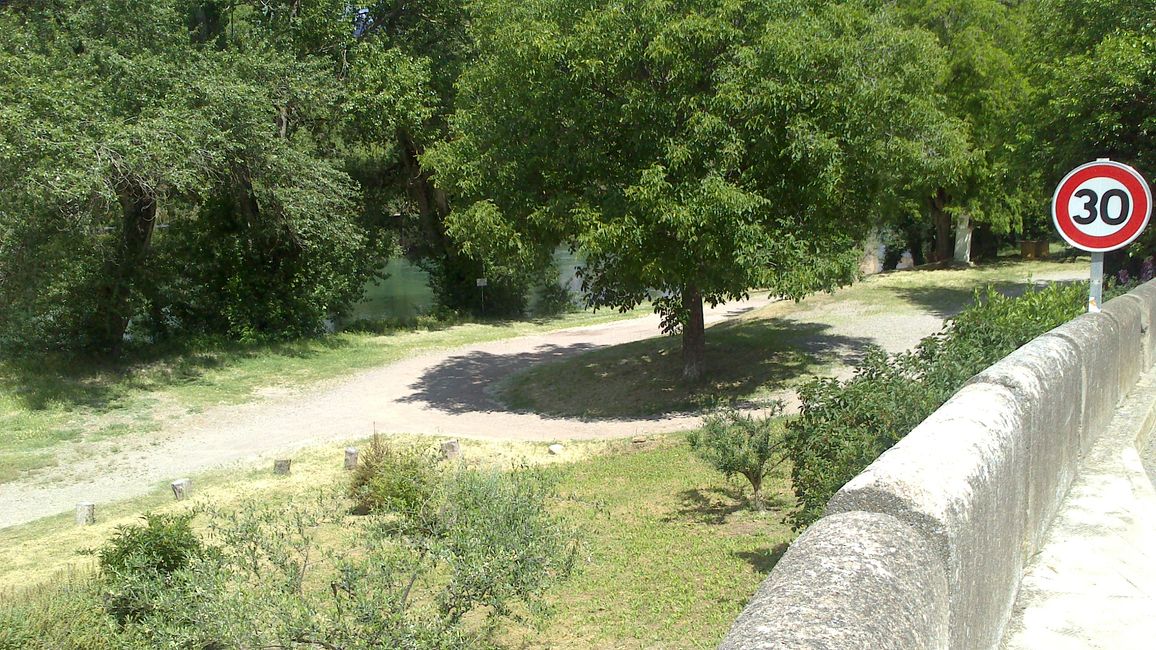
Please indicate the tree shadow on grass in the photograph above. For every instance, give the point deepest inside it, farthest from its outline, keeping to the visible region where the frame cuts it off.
(713, 506)
(642, 379)
(764, 560)
(79, 381)
(947, 302)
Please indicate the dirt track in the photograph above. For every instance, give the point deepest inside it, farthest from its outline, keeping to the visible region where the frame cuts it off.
(443, 393)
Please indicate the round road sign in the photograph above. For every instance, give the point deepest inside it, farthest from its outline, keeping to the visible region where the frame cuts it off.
(1101, 206)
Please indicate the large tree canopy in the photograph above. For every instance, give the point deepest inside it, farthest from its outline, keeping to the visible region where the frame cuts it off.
(116, 121)
(690, 147)
(1094, 63)
(986, 88)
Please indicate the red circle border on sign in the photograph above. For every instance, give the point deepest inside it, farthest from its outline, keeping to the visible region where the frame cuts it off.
(1141, 204)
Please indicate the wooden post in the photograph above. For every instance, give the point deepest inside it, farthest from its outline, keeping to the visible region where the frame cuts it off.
(182, 487)
(85, 514)
(351, 458)
(281, 466)
(451, 449)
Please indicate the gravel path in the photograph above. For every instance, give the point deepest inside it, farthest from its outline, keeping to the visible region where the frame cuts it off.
(444, 393)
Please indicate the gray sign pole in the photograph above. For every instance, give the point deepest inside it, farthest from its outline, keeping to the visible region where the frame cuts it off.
(1096, 286)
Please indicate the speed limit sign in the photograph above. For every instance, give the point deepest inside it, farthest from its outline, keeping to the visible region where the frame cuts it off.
(1101, 206)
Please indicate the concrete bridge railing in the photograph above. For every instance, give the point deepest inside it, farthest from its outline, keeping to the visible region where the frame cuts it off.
(925, 549)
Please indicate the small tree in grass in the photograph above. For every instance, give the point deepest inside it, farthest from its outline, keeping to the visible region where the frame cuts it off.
(739, 443)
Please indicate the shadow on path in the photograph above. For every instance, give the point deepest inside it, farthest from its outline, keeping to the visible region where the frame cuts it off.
(462, 383)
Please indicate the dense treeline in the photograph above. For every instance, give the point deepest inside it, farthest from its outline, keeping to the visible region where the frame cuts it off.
(243, 167)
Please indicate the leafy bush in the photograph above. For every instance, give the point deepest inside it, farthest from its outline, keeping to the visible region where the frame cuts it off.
(66, 615)
(739, 444)
(846, 424)
(501, 543)
(394, 479)
(140, 560)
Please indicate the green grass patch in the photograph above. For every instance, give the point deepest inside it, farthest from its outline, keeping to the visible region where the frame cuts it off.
(673, 552)
(55, 399)
(756, 356)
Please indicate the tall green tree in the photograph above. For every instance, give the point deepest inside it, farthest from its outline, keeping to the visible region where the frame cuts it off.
(696, 148)
(118, 119)
(1094, 69)
(986, 89)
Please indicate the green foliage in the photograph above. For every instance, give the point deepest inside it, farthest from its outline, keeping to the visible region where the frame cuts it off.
(846, 424)
(139, 562)
(736, 443)
(985, 88)
(181, 188)
(308, 574)
(69, 615)
(162, 546)
(389, 478)
(697, 148)
(1094, 63)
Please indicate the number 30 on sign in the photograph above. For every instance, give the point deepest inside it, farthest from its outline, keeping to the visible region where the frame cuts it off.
(1102, 206)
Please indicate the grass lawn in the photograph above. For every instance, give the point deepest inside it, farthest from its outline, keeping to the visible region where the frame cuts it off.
(673, 552)
(670, 553)
(52, 400)
(756, 355)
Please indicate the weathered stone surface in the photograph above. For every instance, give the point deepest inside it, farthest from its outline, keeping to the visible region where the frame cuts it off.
(961, 479)
(1096, 338)
(1146, 295)
(182, 488)
(282, 466)
(1045, 379)
(351, 458)
(85, 514)
(555, 449)
(1128, 313)
(451, 449)
(852, 581)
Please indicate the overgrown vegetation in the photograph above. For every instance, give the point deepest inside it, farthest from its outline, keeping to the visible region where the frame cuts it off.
(846, 424)
(668, 555)
(432, 568)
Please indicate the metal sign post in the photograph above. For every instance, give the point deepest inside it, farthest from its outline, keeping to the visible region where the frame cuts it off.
(1098, 207)
(1096, 287)
(482, 282)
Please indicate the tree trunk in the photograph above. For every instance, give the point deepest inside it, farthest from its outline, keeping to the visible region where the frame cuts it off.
(693, 336)
(757, 492)
(942, 222)
(963, 239)
(114, 309)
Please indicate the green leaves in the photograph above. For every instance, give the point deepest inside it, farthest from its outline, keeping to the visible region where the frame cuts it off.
(714, 144)
(844, 425)
(118, 121)
(740, 444)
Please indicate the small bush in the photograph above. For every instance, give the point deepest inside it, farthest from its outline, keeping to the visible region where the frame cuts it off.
(394, 479)
(846, 424)
(138, 563)
(739, 444)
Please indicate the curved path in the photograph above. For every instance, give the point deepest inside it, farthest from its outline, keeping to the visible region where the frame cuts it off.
(441, 393)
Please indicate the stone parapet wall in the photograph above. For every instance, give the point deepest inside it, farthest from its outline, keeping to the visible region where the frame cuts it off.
(925, 548)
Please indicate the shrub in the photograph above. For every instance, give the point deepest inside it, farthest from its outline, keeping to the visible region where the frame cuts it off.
(396, 479)
(501, 543)
(846, 424)
(739, 444)
(140, 560)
